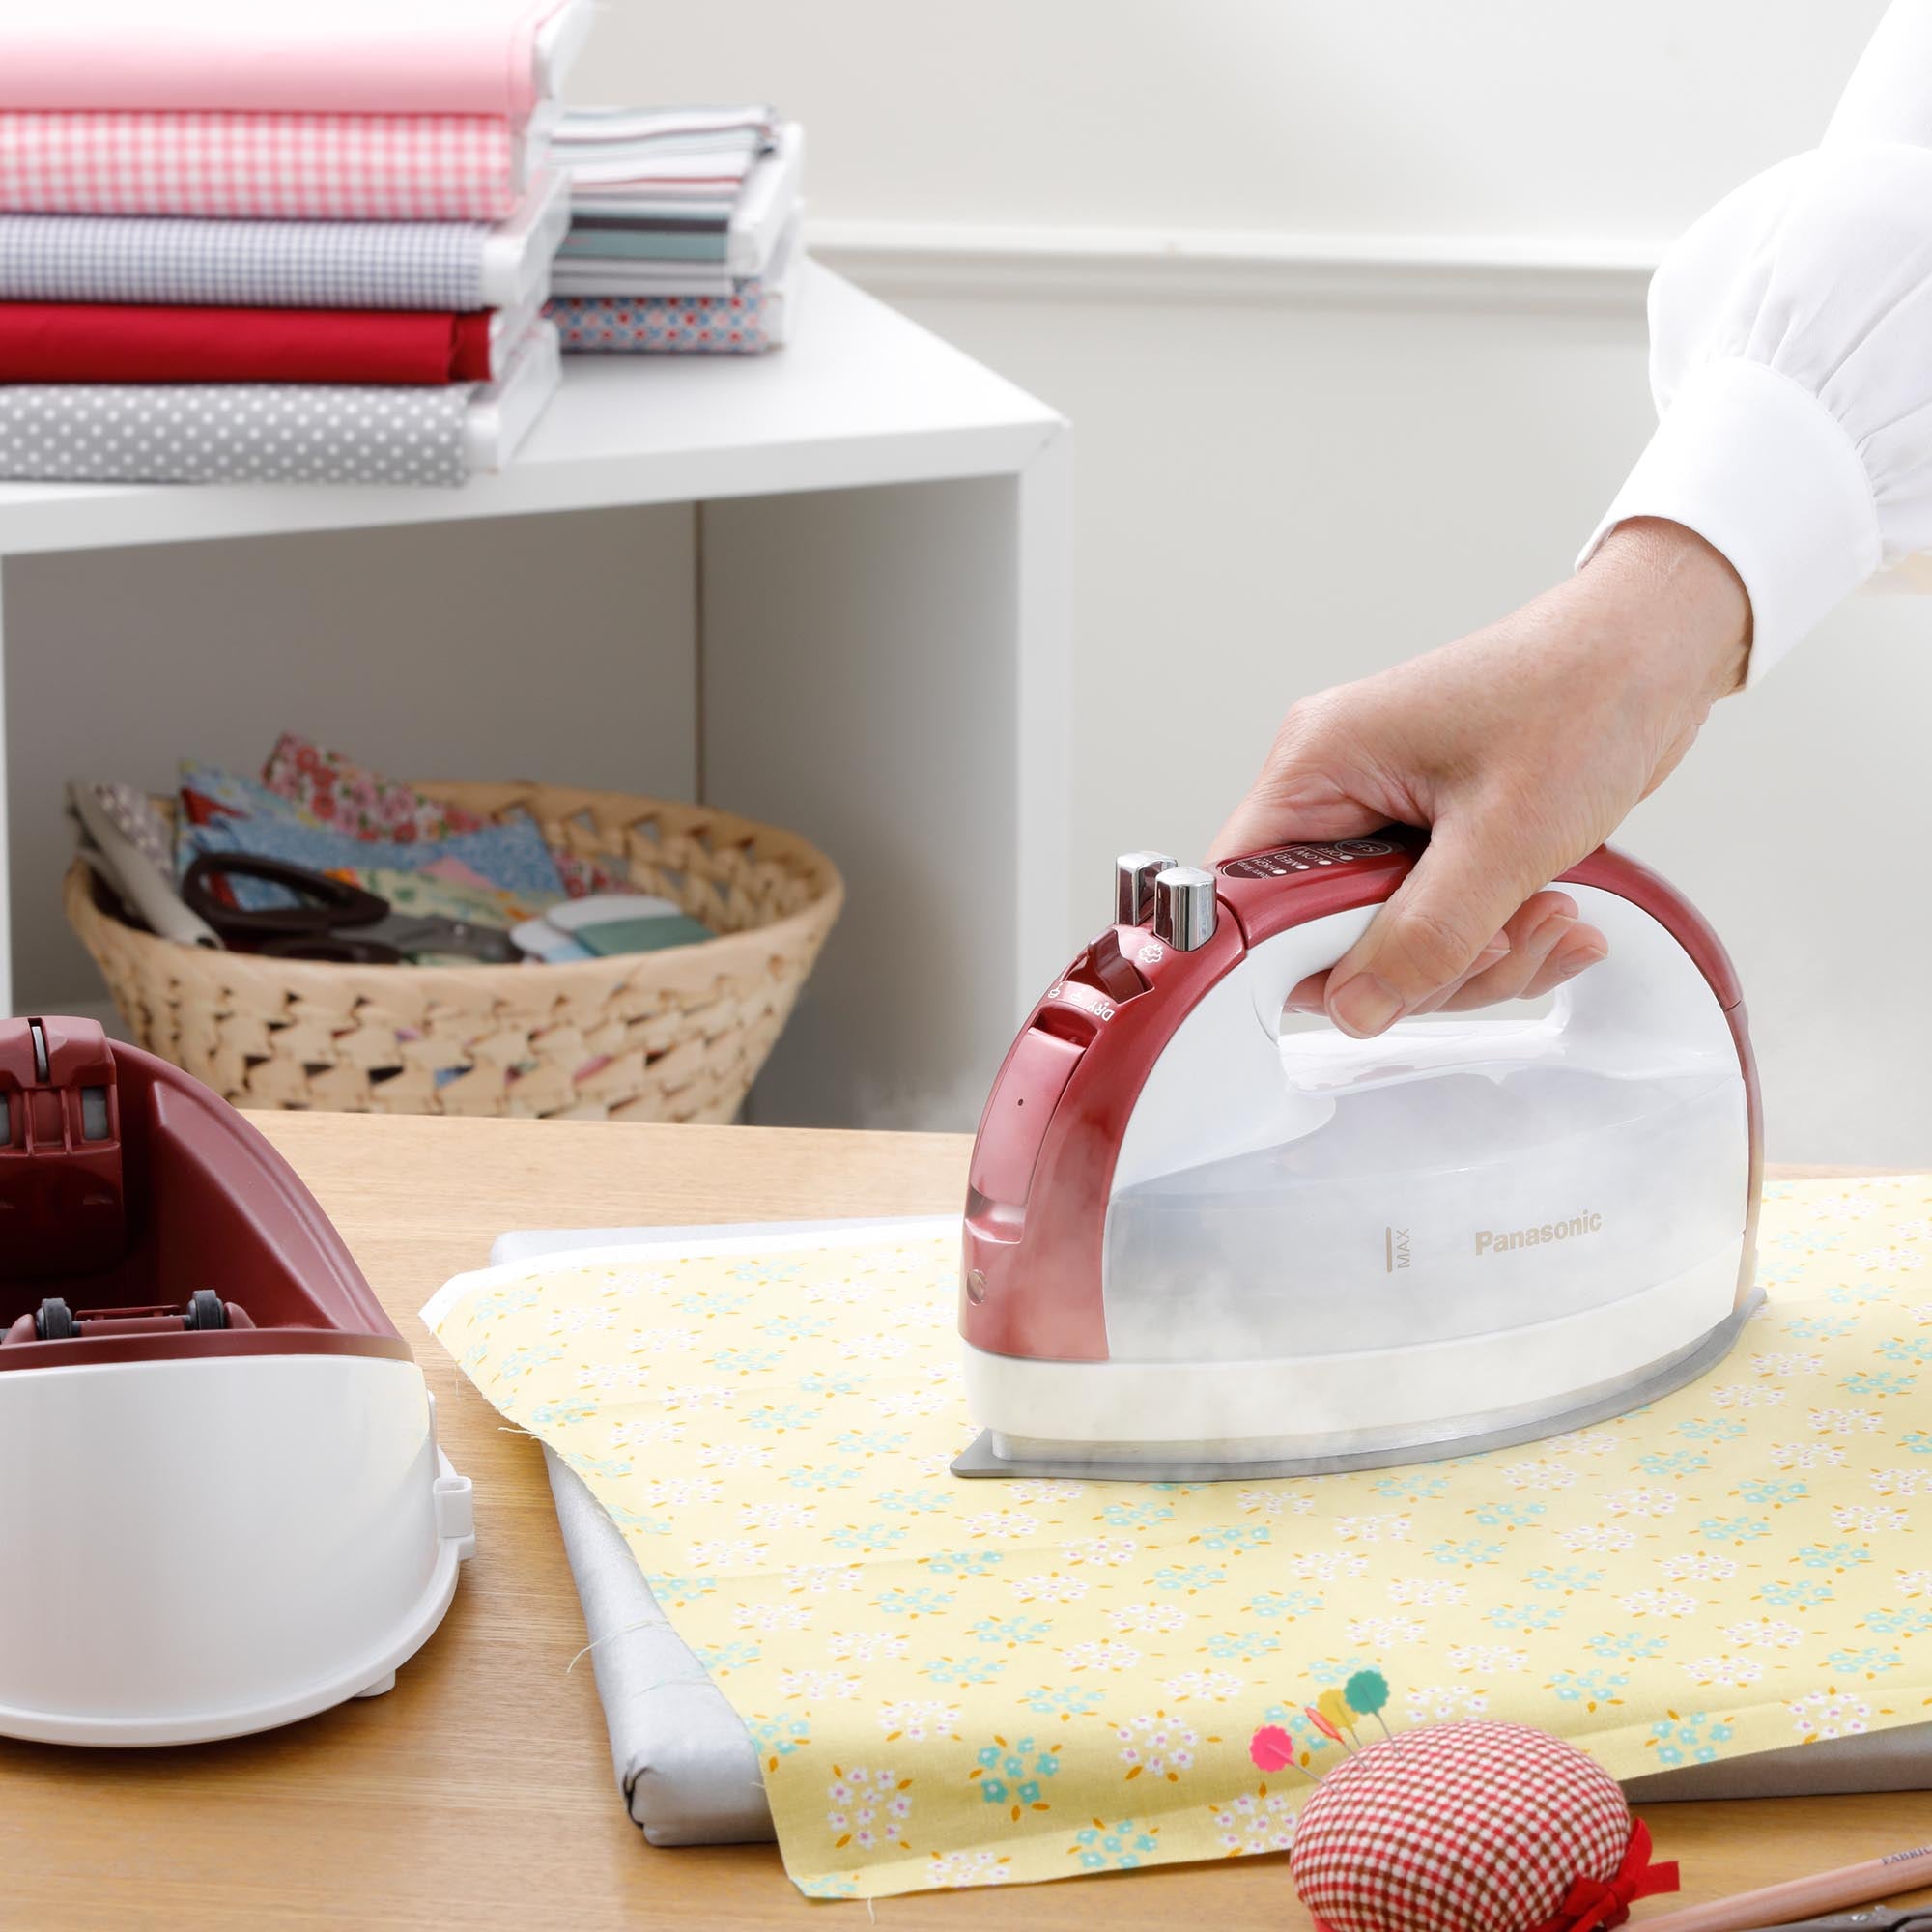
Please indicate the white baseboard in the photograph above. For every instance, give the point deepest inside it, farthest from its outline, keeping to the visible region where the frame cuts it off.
(901, 258)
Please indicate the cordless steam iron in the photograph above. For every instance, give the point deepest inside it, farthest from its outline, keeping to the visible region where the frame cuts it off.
(225, 1507)
(1197, 1247)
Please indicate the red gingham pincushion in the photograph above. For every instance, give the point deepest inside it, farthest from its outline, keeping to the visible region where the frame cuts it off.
(1472, 1828)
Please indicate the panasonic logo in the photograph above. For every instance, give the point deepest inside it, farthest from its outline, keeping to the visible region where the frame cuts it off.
(1493, 1241)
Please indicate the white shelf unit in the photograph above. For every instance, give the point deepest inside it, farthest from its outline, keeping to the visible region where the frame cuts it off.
(880, 612)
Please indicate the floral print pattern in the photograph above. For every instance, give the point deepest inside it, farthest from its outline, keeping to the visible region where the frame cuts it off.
(956, 1682)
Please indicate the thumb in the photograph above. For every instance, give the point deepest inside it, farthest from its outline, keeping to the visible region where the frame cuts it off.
(1459, 896)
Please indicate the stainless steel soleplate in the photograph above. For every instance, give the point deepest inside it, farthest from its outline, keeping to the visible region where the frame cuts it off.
(980, 1458)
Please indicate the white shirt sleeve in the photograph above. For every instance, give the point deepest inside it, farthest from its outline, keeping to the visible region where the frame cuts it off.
(1791, 358)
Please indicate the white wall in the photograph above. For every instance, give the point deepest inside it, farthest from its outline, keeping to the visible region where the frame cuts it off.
(1134, 207)
(1345, 302)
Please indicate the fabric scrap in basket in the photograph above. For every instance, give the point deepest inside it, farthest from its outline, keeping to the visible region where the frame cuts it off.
(960, 1683)
(223, 812)
(333, 789)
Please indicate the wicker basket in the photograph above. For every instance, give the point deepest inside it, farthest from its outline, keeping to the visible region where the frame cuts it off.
(671, 1035)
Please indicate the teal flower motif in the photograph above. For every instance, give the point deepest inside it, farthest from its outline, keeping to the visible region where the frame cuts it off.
(962, 1670)
(1589, 1688)
(1773, 1495)
(870, 1441)
(919, 1603)
(868, 1536)
(778, 1737)
(1509, 1515)
(1288, 1604)
(1572, 1576)
(1114, 1847)
(1797, 1596)
(1673, 1462)
(1189, 1576)
(1695, 1738)
(1898, 1350)
(1898, 1622)
(711, 1301)
(1917, 1444)
(1833, 1555)
(746, 1362)
(912, 1502)
(1868, 1663)
(1529, 1617)
(793, 1327)
(820, 1383)
(518, 1362)
(669, 1588)
(1733, 1528)
(767, 1274)
(811, 1476)
(1241, 1647)
(1047, 1702)
(1820, 1327)
(1867, 1382)
(596, 1466)
(1011, 1774)
(503, 1301)
(1235, 1538)
(561, 1414)
(778, 1417)
(1707, 1428)
(828, 1885)
(726, 1657)
(1411, 1488)
(630, 1519)
(1010, 1631)
(1468, 1552)
(1135, 1515)
(1631, 1646)
(962, 1562)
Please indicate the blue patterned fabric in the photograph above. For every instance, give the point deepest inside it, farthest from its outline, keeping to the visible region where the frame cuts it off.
(432, 265)
(512, 856)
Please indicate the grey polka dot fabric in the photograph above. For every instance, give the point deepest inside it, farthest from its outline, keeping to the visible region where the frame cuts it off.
(234, 433)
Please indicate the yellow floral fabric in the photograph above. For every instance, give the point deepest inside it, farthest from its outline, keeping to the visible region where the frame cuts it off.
(958, 1683)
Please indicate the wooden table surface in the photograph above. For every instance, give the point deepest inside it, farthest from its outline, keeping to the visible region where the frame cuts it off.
(479, 1793)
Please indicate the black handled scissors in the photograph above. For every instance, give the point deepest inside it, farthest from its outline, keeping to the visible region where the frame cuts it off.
(332, 918)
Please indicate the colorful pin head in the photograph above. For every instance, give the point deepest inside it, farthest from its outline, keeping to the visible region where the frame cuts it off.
(1367, 1691)
(1271, 1747)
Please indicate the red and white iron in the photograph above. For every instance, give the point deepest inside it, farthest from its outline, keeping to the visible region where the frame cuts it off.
(225, 1506)
(1199, 1247)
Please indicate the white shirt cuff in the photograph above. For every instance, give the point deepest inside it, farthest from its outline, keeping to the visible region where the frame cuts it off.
(1764, 473)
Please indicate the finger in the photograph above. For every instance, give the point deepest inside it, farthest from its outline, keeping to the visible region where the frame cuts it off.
(1465, 887)
(1580, 947)
(1534, 933)
(1310, 995)
(1279, 810)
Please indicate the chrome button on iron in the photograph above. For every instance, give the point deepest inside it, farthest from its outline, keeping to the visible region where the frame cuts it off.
(1134, 875)
(1183, 907)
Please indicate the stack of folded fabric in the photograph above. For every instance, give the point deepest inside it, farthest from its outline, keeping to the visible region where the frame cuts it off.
(248, 242)
(684, 229)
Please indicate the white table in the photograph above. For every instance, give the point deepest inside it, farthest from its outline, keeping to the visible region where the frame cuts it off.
(880, 587)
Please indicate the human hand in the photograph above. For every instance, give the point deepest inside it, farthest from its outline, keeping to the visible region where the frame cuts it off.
(1522, 748)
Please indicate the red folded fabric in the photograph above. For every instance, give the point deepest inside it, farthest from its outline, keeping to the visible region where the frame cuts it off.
(105, 342)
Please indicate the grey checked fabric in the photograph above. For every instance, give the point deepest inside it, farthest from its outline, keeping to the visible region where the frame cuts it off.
(234, 433)
(432, 265)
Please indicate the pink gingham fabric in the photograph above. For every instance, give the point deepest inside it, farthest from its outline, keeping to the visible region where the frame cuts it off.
(305, 167)
(1471, 1827)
